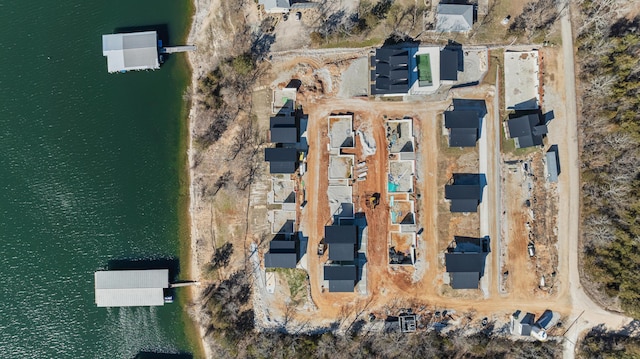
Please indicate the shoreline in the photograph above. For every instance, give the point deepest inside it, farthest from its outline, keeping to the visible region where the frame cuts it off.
(193, 267)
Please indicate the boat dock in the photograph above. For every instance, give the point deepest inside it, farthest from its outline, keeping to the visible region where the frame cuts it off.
(176, 49)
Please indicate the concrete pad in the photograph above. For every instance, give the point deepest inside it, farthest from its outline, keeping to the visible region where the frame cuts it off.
(401, 176)
(341, 131)
(521, 85)
(340, 167)
(354, 81)
(282, 221)
(282, 191)
(400, 135)
(340, 201)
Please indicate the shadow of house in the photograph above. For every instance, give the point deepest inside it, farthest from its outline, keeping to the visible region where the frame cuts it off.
(464, 190)
(468, 244)
(283, 253)
(526, 129)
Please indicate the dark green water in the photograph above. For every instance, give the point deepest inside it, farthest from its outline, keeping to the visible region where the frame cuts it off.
(90, 167)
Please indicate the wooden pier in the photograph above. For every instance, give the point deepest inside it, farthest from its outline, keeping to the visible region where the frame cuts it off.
(176, 49)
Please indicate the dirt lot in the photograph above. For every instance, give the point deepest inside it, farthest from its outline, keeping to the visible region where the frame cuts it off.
(422, 286)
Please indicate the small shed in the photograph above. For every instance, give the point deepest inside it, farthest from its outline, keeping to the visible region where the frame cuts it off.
(553, 164)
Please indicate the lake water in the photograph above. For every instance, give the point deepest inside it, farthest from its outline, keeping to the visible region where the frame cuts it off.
(91, 170)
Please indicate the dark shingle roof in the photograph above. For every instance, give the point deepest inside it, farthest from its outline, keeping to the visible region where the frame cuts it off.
(463, 137)
(342, 252)
(465, 280)
(279, 246)
(345, 272)
(341, 278)
(280, 260)
(464, 262)
(464, 128)
(391, 71)
(461, 119)
(341, 286)
(449, 65)
(341, 234)
(282, 121)
(284, 134)
(464, 205)
(280, 154)
(462, 191)
(527, 130)
(282, 160)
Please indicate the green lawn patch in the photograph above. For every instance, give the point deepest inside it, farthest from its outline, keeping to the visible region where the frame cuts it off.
(424, 69)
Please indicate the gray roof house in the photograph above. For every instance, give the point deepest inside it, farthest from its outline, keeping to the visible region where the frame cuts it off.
(454, 18)
(131, 51)
(464, 197)
(527, 130)
(131, 288)
(342, 241)
(341, 278)
(465, 269)
(463, 128)
(282, 254)
(281, 160)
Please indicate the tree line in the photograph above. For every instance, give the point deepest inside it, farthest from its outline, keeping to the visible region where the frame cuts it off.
(608, 52)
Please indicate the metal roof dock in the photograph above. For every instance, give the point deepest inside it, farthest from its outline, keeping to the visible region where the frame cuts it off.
(131, 288)
(131, 51)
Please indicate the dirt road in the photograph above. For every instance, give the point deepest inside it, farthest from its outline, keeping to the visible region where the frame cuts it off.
(569, 214)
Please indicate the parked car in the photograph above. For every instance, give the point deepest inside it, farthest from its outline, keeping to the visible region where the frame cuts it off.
(532, 249)
(298, 15)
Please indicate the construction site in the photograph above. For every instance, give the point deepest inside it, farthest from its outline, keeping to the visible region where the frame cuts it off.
(414, 202)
